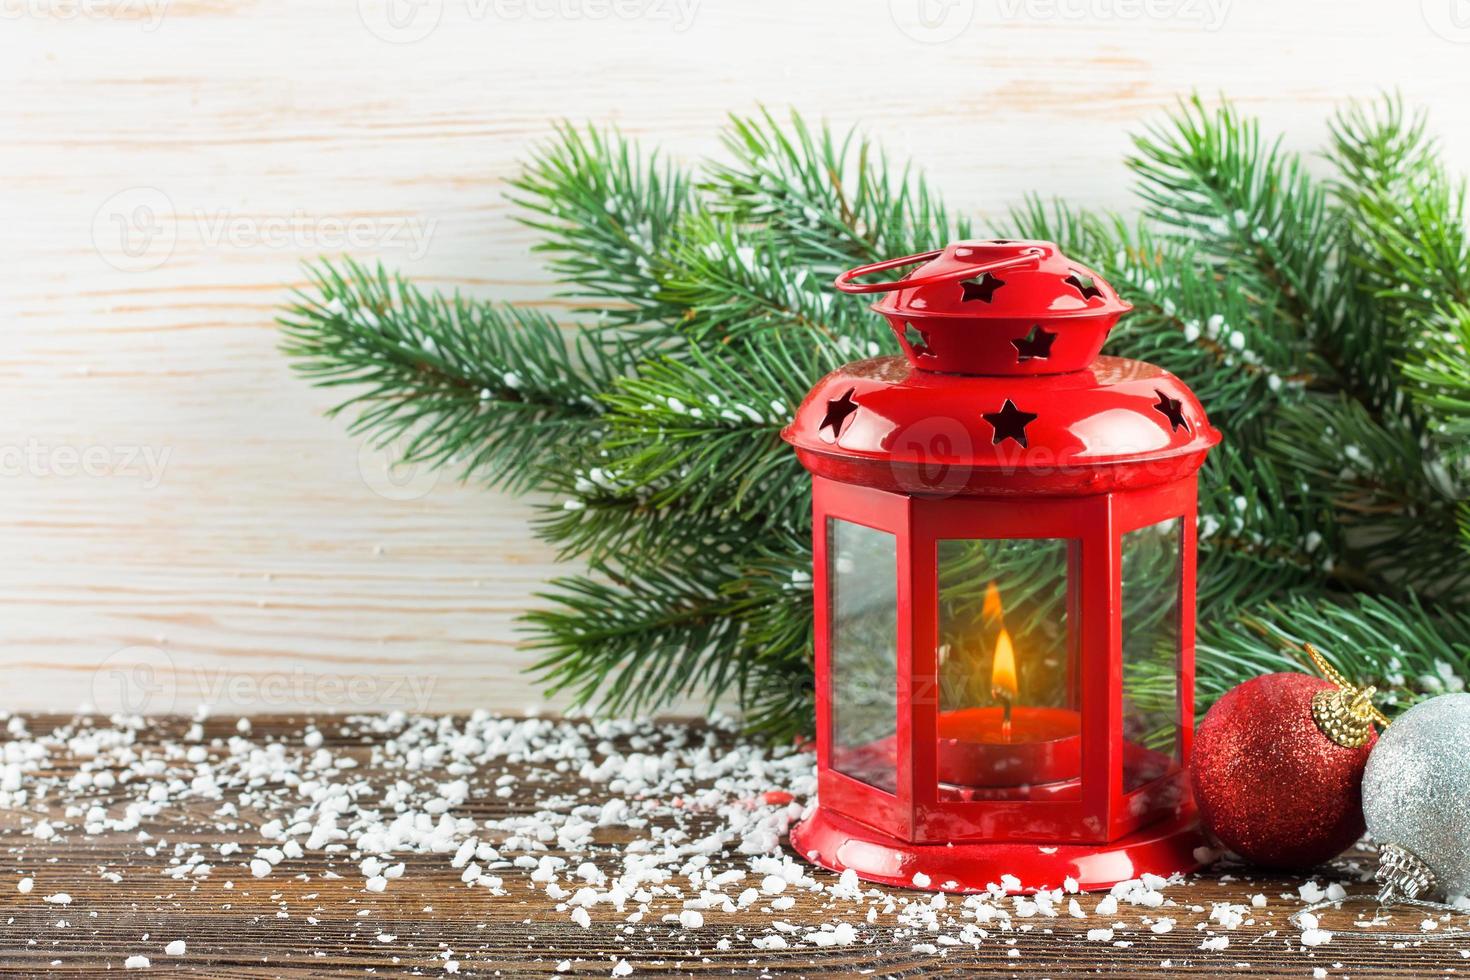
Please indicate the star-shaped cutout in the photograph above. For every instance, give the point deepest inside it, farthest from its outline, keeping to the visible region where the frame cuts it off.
(1084, 284)
(838, 410)
(1172, 410)
(983, 288)
(1009, 423)
(917, 339)
(1036, 344)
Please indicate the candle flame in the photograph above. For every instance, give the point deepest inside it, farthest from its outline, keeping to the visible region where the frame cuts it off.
(1003, 667)
(991, 608)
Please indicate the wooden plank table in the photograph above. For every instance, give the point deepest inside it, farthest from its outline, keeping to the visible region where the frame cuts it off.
(311, 916)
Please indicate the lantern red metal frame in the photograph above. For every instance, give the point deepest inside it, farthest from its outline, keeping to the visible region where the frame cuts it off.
(1092, 829)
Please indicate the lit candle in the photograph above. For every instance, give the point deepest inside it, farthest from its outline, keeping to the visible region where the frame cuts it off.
(1003, 687)
(1007, 744)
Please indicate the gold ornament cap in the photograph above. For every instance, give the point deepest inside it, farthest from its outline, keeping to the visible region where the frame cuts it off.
(1345, 714)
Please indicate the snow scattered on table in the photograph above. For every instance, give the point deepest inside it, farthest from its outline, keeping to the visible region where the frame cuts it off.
(672, 830)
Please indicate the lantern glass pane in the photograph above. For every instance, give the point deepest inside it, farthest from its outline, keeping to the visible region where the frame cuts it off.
(862, 571)
(1152, 573)
(1008, 709)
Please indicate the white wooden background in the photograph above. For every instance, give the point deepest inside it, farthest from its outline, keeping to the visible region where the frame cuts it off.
(178, 521)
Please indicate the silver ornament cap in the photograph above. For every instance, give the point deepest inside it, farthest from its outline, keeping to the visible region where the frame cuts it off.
(1416, 790)
(1401, 875)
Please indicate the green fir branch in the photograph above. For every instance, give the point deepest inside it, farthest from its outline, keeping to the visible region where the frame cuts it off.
(1324, 325)
(608, 215)
(834, 198)
(485, 387)
(624, 644)
(1211, 178)
(1408, 649)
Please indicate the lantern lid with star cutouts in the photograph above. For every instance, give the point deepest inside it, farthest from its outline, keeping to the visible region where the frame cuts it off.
(994, 307)
(1000, 388)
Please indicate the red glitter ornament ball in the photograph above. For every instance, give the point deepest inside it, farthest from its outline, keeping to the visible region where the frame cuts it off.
(1269, 783)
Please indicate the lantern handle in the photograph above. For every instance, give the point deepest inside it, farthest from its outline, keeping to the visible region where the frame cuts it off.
(1028, 255)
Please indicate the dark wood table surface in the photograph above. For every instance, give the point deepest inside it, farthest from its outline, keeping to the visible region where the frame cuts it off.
(302, 921)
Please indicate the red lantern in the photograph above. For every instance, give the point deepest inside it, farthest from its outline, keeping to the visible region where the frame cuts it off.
(1004, 532)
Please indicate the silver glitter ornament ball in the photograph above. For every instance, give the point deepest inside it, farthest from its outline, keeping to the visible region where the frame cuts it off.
(1416, 789)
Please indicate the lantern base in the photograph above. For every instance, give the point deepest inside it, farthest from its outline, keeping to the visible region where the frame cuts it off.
(837, 843)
